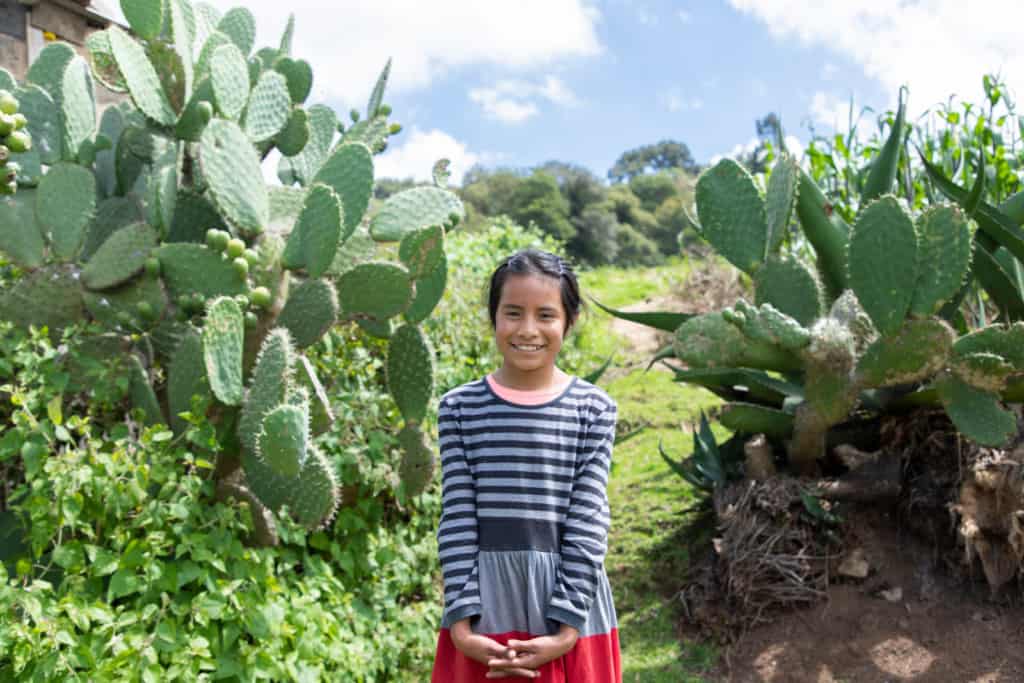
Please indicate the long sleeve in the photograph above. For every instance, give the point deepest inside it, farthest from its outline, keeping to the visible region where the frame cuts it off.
(457, 539)
(584, 539)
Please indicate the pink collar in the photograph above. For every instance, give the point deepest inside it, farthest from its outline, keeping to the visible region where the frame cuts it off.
(532, 397)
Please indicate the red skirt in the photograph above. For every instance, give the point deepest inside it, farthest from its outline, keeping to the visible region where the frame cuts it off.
(594, 659)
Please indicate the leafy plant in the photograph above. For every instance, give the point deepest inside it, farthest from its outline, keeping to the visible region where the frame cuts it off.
(872, 324)
(202, 280)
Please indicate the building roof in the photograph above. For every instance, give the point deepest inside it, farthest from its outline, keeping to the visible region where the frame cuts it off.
(109, 10)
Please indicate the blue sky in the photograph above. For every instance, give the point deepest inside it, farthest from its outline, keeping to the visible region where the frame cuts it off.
(516, 83)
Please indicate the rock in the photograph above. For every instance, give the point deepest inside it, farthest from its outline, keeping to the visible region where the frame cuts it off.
(854, 565)
(893, 594)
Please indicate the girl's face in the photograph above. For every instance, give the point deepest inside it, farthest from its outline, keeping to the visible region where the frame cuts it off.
(530, 324)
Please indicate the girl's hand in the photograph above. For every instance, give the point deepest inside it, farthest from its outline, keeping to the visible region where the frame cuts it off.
(534, 653)
(486, 650)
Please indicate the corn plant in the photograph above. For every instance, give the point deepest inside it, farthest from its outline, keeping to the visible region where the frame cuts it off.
(871, 323)
(205, 282)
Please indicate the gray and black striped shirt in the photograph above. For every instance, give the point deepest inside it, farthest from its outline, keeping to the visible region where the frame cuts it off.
(525, 478)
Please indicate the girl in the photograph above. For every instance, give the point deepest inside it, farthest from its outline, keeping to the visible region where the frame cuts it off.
(525, 454)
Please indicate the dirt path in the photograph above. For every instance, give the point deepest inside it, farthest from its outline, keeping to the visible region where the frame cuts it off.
(643, 341)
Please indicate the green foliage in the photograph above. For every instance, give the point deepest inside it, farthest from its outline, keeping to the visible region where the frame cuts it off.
(888, 316)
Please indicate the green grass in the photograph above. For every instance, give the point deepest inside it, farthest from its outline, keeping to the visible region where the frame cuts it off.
(647, 556)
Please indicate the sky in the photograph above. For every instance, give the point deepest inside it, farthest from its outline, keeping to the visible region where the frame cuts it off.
(515, 83)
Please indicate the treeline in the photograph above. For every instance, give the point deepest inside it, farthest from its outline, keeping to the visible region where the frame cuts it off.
(635, 217)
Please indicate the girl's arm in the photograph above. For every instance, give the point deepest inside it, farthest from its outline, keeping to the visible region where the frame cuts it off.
(457, 533)
(585, 533)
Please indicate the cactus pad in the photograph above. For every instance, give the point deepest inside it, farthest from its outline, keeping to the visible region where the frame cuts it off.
(1006, 342)
(111, 215)
(232, 169)
(916, 352)
(44, 123)
(791, 287)
(311, 310)
(192, 268)
(140, 390)
(284, 439)
(146, 17)
(120, 257)
(323, 125)
(358, 248)
(215, 40)
(377, 289)
(229, 76)
(765, 324)
(413, 209)
(65, 203)
(78, 105)
(429, 291)
(47, 69)
(269, 107)
(321, 414)
(240, 26)
(421, 251)
(295, 134)
(883, 263)
(985, 371)
(349, 170)
(781, 200)
(20, 238)
(223, 337)
(732, 214)
(270, 385)
(709, 341)
(186, 377)
(193, 216)
(299, 75)
(410, 371)
(944, 252)
(417, 468)
(50, 296)
(752, 418)
(198, 112)
(104, 66)
(977, 414)
(132, 299)
(141, 78)
(314, 240)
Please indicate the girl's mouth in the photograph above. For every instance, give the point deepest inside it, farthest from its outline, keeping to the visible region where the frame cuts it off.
(527, 347)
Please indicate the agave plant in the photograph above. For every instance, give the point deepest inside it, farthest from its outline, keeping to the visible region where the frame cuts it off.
(204, 282)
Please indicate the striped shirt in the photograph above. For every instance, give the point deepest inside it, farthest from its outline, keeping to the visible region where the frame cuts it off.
(525, 477)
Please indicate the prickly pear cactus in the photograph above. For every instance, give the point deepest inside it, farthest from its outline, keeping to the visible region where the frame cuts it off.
(156, 224)
(871, 323)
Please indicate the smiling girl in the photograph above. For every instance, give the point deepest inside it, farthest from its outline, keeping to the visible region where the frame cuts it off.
(525, 457)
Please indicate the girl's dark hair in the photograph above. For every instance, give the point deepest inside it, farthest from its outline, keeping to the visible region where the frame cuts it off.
(537, 262)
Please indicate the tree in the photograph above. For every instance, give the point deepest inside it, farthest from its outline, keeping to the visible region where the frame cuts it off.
(662, 155)
(596, 239)
(653, 189)
(537, 199)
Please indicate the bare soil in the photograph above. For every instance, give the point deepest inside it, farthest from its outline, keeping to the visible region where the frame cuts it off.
(909, 620)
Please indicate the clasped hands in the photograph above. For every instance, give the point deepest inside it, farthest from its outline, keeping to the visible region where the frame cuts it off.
(520, 658)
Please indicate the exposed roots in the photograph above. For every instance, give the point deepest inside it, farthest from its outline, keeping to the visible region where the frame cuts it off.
(770, 554)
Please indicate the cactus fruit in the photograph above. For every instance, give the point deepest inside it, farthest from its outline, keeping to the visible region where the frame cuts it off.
(410, 371)
(13, 139)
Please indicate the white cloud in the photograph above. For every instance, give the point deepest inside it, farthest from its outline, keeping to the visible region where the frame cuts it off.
(414, 157)
(348, 41)
(674, 101)
(830, 109)
(937, 47)
(745, 149)
(514, 101)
